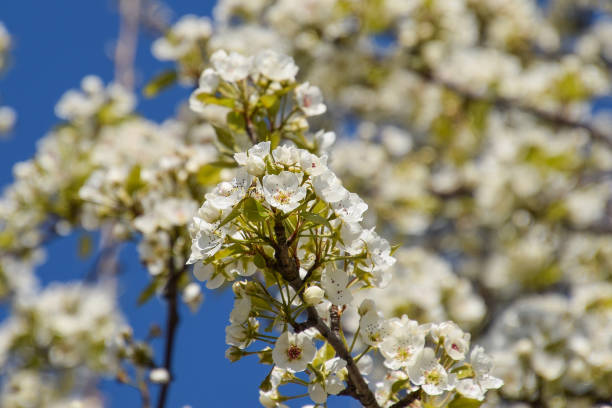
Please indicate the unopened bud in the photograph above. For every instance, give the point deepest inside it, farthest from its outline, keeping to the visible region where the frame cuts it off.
(159, 376)
(313, 295)
(366, 306)
(234, 354)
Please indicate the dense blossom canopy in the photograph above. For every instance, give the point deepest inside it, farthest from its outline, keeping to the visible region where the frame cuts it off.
(447, 244)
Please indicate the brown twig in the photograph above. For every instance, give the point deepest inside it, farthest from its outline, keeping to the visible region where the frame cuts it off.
(504, 103)
(407, 400)
(125, 51)
(287, 267)
(172, 321)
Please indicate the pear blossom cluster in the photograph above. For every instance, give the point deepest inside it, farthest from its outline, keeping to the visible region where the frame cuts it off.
(513, 202)
(559, 345)
(278, 182)
(475, 133)
(65, 333)
(288, 196)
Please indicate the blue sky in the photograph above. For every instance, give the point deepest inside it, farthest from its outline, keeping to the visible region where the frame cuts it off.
(56, 43)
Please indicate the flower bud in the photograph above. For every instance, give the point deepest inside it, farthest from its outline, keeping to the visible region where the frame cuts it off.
(234, 354)
(313, 295)
(192, 296)
(366, 306)
(159, 376)
(255, 166)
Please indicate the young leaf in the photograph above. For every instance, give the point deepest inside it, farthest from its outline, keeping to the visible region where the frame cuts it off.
(316, 219)
(254, 211)
(225, 137)
(148, 292)
(160, 82)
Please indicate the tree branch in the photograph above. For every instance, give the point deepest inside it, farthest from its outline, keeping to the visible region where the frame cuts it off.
(125, 52)
(172, 321)
(503, 103)
(407, 400)
(288, 268)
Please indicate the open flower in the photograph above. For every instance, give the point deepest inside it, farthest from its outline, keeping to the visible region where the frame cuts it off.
(293, 351)
(331, 384)
(227, 194)
(329, 187)
(334, 282)
(254, 159)
(429, 373)
(275, 66)
(310, 100)
(283, 191)
(350, 208)
(233, 67)
(476, 387)
(456, 342)
(206, 239)
(401, 347)
(373, 328)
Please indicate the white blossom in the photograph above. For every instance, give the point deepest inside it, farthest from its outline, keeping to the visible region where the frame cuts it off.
(283, 191)
(310, 99)
(430, 374)
(293, 351)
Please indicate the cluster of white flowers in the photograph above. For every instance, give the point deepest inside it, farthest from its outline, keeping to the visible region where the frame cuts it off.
(29, 388)
(556, 344)
(282, 181)
(288, 199)
(471, 145)
(419, 272)
(510, 199)
(67, 333)
(184, 36)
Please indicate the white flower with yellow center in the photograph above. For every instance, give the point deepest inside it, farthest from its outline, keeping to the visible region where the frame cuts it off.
(402, 345)
(335, 282)
(275, 66)
(293, 351)
(373, 328)
(233, 67)
(206, 239)
(429, 373)
(254, 159)
(476, 387)
(227, 194)
(310, 99)
(283, 191)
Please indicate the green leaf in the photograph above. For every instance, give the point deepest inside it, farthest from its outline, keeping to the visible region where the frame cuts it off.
(462, 402)
(254, 211)
(133, 181)
(208, 99)
(265, 356)
(236, 121)
(225, 137)
(160, 82)
(398, 385)
(395, 247)
(85, 245)
(262, 130)
(275, 138)
(268, 100)
(259, 261)
(236, 211)
(266, 384)
(148, 292)
(316, 219)
(208, 174)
